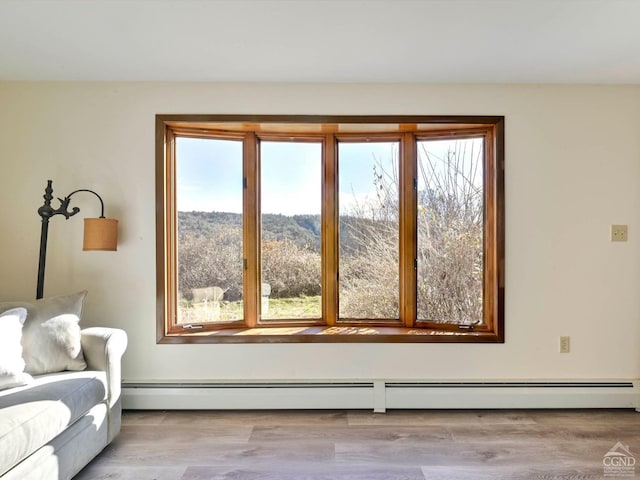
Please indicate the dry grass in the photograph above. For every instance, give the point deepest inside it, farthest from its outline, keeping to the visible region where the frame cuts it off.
(274, 308)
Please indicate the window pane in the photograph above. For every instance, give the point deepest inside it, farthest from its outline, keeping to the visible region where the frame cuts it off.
(368, 251)
(209, 203)
(291, 202)
(450, 228)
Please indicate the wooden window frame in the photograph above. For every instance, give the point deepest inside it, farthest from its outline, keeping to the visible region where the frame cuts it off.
(329, 130)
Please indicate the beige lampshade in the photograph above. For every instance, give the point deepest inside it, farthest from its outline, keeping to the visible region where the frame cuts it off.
(100, 234)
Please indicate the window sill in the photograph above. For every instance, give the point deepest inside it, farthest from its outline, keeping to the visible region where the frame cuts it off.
(336, 334)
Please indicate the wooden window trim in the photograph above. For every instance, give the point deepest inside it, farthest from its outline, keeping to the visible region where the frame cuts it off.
(310, 331)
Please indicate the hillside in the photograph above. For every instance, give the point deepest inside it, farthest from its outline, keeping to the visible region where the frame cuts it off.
(303, 230)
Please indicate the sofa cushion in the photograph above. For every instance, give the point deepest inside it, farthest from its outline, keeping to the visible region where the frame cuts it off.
(51, 334)
(11, 361)
(32, 415)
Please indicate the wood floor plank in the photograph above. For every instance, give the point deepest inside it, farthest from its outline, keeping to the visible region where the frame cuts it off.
(550, 472)
(585, 417)
(320, 472)
(97, 472)
(143, 417)
(386, 434)
(440, 417)
(443, 453)
(258, 418)
(511, 433)
(184, 434)
(121, 453)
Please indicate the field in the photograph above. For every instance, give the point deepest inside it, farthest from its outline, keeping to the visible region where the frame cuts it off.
(273, 308)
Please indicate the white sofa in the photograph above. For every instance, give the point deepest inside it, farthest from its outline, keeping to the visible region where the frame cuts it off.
(59, 388)
(53, 426)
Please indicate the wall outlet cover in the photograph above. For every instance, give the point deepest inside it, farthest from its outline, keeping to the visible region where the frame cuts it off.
(619, 233)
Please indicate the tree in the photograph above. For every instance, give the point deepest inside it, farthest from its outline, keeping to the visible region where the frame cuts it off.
(450, 229)
(449, 240)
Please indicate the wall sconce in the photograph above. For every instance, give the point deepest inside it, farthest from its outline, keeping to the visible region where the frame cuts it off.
(99, 233)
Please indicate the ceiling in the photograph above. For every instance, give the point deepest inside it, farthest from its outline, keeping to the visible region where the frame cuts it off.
(433, 41)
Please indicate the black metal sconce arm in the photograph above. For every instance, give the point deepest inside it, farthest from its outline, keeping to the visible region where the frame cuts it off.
(46, 211)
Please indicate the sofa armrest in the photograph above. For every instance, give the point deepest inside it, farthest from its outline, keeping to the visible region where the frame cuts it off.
(103, 349)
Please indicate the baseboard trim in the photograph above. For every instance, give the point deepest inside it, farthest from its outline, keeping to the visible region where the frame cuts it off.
(251, 396)
(380, 395)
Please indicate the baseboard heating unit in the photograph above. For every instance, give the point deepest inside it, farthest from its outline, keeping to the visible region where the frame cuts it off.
(380, 395)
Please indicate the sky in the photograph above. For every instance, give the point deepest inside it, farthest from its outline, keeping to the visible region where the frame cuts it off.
(209, 174)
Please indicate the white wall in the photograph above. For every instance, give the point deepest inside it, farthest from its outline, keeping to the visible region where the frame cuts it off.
(572, 169)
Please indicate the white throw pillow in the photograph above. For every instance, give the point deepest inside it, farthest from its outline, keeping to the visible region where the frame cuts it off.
(11, 361)
(51, 334)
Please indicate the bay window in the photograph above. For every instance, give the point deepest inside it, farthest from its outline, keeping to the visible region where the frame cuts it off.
(330, 229)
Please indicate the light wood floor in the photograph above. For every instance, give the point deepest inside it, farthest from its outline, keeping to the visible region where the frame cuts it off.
(361, 445)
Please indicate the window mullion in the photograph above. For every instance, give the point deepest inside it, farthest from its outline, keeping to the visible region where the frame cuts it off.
(251, 229)
(408, 228)
(329, 231)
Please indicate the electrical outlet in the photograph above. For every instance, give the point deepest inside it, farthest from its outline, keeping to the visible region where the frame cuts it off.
(564, 345)
(618, 233)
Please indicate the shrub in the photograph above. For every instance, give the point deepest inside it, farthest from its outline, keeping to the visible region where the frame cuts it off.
(211, 260)
(290, 270)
